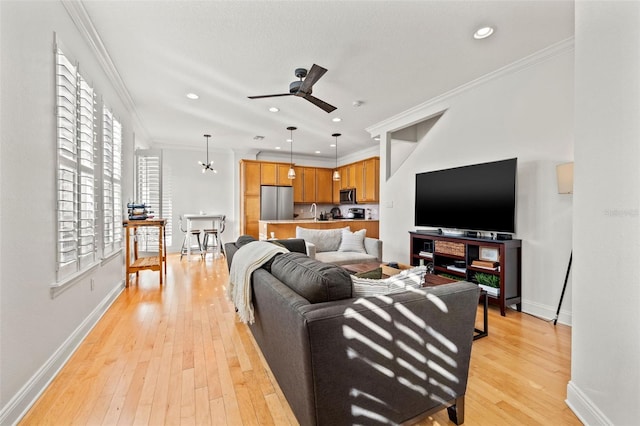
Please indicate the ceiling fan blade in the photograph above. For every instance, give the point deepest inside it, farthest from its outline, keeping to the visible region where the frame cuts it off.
(322, 104)
(269, 96)
(313, 75)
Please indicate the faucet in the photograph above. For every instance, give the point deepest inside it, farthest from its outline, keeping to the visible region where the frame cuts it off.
(314, 209)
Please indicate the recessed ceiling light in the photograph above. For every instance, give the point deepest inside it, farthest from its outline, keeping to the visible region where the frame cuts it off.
(289, 140)
(277, 147)
(192, 96)
(317, 152)
(274, 109)
(333, 145)
(336, 119)
(483, 32)
(376, 138)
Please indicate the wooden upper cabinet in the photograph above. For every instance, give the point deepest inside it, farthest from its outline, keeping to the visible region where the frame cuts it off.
(357, 180)
(283, 171)
(251, 178)
(324, 186)
(298, 185)
(370, 181)
(345, 174)
(309, 182)
(274, 174)
(268, 173)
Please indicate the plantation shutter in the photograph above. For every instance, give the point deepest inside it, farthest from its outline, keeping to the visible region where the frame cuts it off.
(75, 138)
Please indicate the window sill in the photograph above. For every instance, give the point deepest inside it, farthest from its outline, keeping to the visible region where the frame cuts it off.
(58, 288)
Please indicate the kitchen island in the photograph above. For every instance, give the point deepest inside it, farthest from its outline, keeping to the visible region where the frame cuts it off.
(287, 228)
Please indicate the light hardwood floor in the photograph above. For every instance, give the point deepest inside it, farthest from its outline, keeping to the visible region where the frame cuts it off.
(176, 355)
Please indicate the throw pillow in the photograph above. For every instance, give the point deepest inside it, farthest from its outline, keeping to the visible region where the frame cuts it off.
(353, 241)
(376, 274)
(409, 278)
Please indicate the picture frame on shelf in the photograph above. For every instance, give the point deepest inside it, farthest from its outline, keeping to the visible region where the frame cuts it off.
(488, 253)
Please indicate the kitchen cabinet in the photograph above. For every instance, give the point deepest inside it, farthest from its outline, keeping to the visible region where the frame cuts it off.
(274, 174)
(298, 185)
(369, 187)
(324, 186)
(250, 178)
(309, 185)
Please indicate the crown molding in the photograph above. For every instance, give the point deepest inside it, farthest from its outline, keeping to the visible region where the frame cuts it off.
(417, 113)
(82, 21)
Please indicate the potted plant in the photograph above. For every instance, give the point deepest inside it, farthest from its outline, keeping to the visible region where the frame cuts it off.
(488, 282)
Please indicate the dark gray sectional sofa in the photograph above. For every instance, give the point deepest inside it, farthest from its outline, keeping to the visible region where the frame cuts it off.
(378, 360)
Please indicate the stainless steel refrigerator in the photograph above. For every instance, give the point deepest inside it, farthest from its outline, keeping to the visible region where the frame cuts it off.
(276, 202)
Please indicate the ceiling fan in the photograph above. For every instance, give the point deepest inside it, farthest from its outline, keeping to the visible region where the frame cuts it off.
(302, 88)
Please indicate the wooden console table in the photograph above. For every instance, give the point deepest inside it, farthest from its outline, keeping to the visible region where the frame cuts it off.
(154, 263)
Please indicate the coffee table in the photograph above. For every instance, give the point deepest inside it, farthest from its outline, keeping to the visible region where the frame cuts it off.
(431, 280)
(357, 268)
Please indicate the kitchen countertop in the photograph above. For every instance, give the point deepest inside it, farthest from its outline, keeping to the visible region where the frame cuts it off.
(316, 221)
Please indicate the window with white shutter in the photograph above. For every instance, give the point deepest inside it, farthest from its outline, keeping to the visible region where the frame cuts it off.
(75, 136)
(107, 181)
(154, 190)
(112, 206)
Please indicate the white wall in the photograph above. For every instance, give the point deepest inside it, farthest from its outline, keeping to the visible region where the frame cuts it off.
(194, 191)
(605, 360)
(523, 111)
(38, 332)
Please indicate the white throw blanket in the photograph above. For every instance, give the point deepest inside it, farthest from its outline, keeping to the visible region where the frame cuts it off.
(247, 259)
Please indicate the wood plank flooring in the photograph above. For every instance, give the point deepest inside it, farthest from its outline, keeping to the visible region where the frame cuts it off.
(177, 355)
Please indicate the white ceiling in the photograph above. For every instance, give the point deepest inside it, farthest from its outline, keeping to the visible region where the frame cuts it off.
(390, 55)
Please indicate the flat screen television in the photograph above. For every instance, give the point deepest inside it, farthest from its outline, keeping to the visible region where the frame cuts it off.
(478, 197)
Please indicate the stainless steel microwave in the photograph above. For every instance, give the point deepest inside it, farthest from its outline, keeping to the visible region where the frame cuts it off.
(348, 196)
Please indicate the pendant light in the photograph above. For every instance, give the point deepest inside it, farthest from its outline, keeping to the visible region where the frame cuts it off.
(209, 164)
(292, 172)
(336, 173)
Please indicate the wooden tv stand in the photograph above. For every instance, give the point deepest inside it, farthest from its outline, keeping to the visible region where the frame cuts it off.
(445, 250)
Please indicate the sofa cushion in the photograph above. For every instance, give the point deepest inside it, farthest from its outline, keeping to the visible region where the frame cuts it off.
(315, 281)
(323, 239)
(353, 241)
(409, 278)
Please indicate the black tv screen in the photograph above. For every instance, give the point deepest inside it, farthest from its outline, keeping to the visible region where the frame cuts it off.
(479, 197)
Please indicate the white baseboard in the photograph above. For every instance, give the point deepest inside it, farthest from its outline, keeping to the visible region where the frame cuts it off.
(546, 312)
(18, 406)
(583, 407)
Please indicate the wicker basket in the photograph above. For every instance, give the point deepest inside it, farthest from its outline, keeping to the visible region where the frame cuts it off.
(450, 248)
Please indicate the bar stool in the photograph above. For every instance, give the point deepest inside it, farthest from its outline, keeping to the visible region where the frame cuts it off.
(212, 237)
(188, 242)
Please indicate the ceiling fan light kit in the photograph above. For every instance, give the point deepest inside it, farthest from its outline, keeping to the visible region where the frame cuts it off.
(209, 164)
(303, 87)
(292, 173)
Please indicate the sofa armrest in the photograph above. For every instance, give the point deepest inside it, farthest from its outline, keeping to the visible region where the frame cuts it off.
(420, 340)
(373, 246)
(311, 249)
